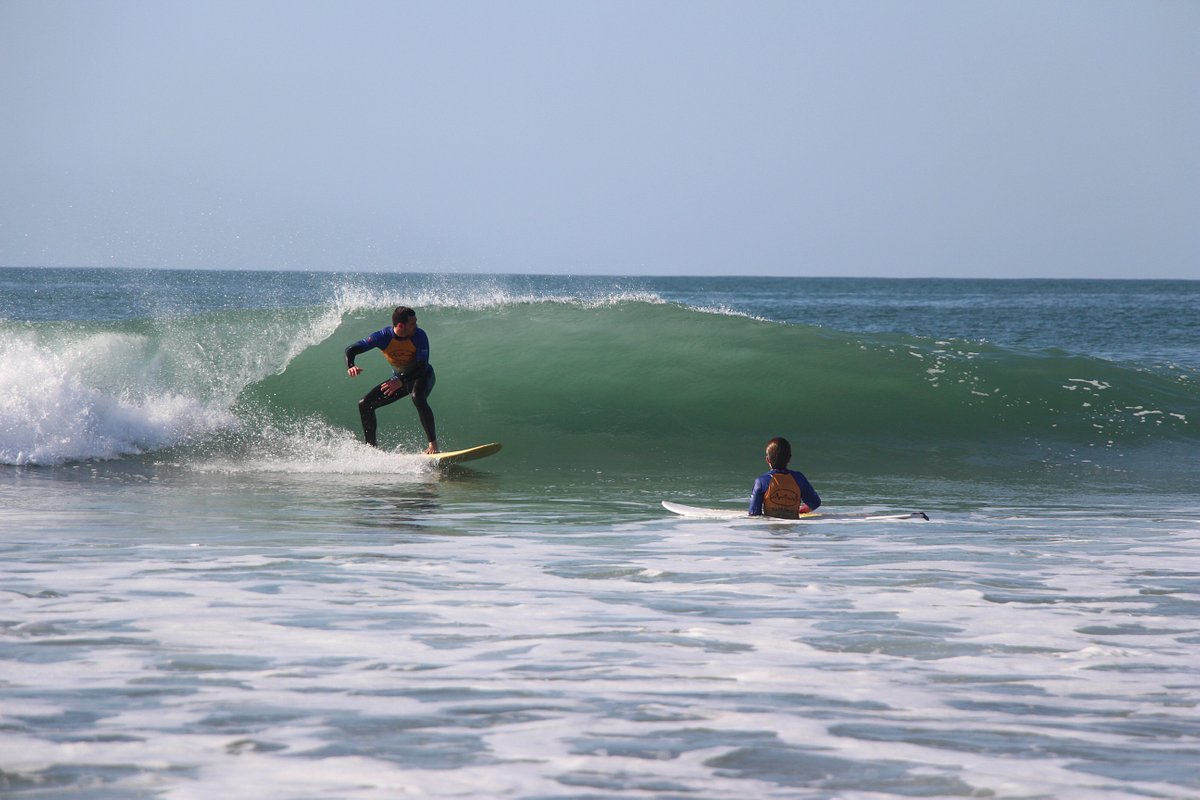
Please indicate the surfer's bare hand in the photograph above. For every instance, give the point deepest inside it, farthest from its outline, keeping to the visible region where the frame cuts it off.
(391, 387)
(354, 372)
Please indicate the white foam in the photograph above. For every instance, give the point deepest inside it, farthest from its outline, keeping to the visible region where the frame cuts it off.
(570, 656)
(314, 447)
(73, 393)
(89, 398)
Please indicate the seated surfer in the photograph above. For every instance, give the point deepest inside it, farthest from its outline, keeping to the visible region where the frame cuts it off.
(782, 492)
(406, 347)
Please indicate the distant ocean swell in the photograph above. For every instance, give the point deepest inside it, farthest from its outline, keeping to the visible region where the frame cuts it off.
(633, 381)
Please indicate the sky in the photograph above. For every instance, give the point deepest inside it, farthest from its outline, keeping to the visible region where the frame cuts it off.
(875, 138)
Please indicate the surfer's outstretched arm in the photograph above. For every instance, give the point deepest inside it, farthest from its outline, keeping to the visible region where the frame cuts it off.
(353, 351)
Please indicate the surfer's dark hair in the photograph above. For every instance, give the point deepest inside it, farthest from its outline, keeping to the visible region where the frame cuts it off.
(401, 315)
(779, 452)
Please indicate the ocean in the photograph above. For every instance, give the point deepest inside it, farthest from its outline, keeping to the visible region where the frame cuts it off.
(212, 588)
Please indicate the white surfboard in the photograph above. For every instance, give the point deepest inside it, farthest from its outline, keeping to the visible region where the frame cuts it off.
(729, 513)
(469, 454)
(706, 513)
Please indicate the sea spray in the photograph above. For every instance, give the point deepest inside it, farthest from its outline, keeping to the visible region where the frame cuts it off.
(70, 391)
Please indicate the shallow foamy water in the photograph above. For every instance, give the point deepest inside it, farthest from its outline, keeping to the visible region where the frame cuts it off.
(189, 635)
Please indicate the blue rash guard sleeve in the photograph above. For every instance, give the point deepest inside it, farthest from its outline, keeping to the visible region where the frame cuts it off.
(378, 339)
(756, 496)
(807, 493)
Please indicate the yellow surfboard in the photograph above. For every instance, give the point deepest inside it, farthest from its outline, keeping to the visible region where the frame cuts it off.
(470, 454)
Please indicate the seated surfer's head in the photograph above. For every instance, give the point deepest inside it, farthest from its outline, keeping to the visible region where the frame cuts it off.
(779, 452)
(404, 321)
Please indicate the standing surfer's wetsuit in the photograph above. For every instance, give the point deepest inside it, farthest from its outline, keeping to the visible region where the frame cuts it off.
(780, 493)
(409, 357)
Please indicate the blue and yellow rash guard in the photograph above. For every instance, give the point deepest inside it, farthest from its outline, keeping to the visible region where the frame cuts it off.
(409, 356)
(780, 492)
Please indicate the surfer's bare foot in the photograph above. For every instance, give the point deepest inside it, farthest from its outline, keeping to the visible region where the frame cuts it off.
(432, 449)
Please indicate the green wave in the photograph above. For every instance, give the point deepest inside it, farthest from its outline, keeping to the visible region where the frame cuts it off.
(645, 386)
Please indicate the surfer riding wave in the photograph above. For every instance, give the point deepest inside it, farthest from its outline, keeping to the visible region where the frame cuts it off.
(406, 348)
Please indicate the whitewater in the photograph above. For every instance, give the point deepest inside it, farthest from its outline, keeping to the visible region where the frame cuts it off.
(212, 588)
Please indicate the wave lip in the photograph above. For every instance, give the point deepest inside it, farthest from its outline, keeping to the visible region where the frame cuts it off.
(484, 294)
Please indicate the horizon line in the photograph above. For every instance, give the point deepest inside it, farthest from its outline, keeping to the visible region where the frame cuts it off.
(379, 271)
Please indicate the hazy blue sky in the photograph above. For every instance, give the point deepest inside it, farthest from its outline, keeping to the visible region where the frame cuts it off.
(983, 138)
